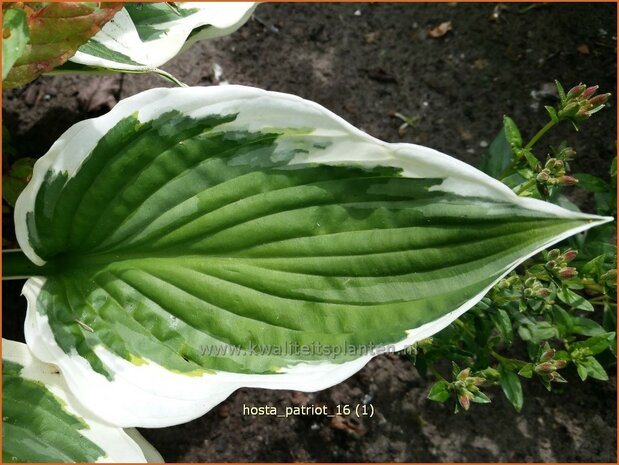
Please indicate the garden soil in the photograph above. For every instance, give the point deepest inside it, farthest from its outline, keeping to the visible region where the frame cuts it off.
(453, 70)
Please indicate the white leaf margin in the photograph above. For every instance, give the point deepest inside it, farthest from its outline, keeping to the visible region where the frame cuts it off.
(119, 445)
(120, 35)
(151, 396)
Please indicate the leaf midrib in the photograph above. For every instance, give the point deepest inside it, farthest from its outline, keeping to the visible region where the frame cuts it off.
(102, 260)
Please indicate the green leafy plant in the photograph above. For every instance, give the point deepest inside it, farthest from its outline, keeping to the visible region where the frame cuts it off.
(559, 307)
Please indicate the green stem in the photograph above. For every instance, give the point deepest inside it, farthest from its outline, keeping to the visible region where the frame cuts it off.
(15, 265)
(499, 357)
(436, 373)
(527, 185)
(590, 284)
(601, 299)
(464, 328)
(169, 77)
(539, 134)
(595, 287)
(73, 68)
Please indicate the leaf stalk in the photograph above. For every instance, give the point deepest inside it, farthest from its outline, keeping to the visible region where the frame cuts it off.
(15, 265)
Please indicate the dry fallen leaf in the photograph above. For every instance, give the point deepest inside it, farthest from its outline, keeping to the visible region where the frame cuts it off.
(480, 64)
(223, 411)
(440, 30)
(381, 75)
(348, 424)
(583, 49)
(372, 37)
(298, 398)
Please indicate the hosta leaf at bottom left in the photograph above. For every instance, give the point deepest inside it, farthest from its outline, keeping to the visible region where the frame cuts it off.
(43, 422)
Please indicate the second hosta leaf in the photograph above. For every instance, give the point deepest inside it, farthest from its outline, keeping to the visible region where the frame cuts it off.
(198, 240)
(145, 35)
(43, 423)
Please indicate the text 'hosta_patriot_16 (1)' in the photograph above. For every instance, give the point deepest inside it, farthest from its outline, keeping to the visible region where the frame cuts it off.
(196, 240)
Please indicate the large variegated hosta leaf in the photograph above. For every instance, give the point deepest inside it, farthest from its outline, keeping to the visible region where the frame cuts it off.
(143, 36)
(55, 31)
(43, 422)
(198, 240)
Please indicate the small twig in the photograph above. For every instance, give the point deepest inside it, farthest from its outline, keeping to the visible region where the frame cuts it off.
(409, 121)
(268, 26)
(174, 7)
(84, 325)
(169, 77)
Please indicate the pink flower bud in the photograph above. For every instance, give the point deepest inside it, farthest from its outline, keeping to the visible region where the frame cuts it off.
(576, 91)
(567, 180)
(547, 355)
(599, 100)
(545, 367)
(570, 254)
(465, 402)
(568, 272)
(589, 91)
(560, 364)
(543, 292)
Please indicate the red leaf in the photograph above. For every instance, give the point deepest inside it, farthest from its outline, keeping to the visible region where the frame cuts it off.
(56, 30)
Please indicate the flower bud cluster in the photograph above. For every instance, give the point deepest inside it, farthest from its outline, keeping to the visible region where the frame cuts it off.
(547, 366)
(523, 288)
(581, 102)
(533, 288)
(557, 263)
(553, 173)
(609, 278)
(467, 388)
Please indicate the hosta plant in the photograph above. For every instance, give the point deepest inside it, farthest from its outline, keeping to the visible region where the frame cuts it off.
(43, 422)
(196, 240)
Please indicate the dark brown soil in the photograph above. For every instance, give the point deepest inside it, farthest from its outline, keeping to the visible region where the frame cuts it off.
(364, 62)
